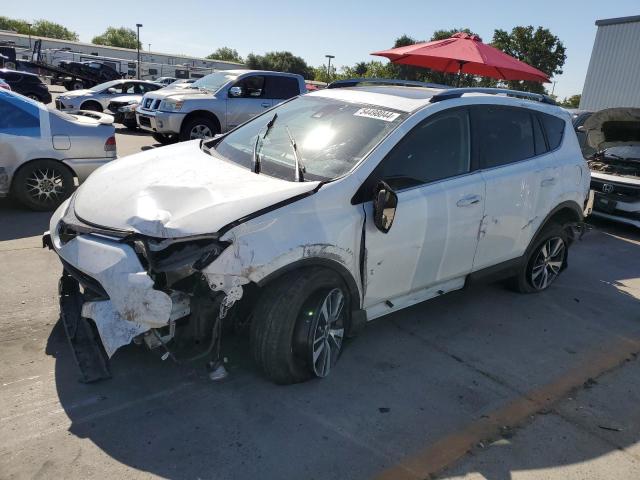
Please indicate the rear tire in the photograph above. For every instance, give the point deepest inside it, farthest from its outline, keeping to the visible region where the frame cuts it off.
(164, 138)
(43, 184)
(288, 328)
(545, 260)
(199, 127)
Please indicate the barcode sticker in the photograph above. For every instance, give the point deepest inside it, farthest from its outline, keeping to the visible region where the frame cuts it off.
(377, 113)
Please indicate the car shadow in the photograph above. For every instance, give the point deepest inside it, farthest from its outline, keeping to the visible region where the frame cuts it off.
(131, 133)
(17, 221)
(411, 379)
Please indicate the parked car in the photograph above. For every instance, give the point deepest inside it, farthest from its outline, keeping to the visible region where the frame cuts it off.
(43, 150)
(215, 103)
(123, 110)
(4, 84)
(92, 69)
(578, 117)
(331, 209)
(614, 134)
(98, 98)
(27, 84)
(165, 81)
(182, 83)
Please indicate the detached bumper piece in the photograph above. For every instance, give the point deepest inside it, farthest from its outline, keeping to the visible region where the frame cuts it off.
(84, 341)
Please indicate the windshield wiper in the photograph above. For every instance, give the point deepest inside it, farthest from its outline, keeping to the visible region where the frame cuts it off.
(256, 156)
(299, 166)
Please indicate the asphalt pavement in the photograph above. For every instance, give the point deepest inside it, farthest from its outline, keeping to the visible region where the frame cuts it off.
(479, 383)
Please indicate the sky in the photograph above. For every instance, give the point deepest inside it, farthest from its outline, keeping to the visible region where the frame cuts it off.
(348, 30)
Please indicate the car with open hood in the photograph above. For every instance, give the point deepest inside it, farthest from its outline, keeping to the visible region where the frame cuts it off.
(98, 98)
(214, 103)
(331, 209)
(614, 135)
(43, 151)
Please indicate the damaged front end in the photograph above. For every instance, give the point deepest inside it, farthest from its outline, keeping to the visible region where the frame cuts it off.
(118, 287)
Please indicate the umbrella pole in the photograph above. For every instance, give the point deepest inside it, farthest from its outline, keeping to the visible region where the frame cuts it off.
(460, 65)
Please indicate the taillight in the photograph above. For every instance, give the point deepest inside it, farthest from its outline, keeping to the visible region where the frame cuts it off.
(110, 144)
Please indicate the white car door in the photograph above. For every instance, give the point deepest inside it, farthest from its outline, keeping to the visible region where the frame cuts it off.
(506, 151)
(432, 242)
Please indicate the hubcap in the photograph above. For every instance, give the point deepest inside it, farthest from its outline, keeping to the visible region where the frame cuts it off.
(201, 131)
(328, 332)
(45, 186)
(547, 263)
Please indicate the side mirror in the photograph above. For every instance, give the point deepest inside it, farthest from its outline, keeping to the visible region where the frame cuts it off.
(581, 129)
(236, 92)
(385, 203)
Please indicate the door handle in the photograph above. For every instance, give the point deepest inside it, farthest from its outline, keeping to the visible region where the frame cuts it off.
(547, 182)
(266, 104)
(468, 201)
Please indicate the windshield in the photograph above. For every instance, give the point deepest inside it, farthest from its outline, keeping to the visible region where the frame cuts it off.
(214, 81)
(104, 86)
(332, 136)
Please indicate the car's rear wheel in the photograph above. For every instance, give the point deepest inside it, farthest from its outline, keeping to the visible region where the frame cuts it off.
(545, 260)
(93, 106)
(165, 138)
(43, 184)
(198, 128)
(299, 325)
(33, 96)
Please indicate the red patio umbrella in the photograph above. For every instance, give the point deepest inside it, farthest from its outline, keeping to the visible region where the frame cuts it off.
(464, 53)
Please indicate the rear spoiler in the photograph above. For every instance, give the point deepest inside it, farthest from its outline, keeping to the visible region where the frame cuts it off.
(102, 118)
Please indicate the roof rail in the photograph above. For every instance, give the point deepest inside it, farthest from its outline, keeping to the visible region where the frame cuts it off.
(354, 82)
(458, 92)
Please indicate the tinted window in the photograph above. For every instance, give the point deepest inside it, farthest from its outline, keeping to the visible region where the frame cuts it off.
(554, 128)
(281, 87)
(538, 137)
(437, 148)
(18, 117)
(252, 87)
(503, 135)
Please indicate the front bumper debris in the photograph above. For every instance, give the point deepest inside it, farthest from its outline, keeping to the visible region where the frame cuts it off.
(85, 344)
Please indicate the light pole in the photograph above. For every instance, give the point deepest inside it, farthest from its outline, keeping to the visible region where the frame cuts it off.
(29, 27)
(149, 47)
(138, 25)
(329, 65)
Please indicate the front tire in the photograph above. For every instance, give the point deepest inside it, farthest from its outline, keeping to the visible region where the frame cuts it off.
(199, 127)
(165, 139)
(299, 325)
(545, 260)
(92, 106)
(43, 184)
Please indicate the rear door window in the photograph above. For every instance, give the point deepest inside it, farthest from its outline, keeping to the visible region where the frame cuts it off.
(281, 88)
(502, 135)
(554, 128)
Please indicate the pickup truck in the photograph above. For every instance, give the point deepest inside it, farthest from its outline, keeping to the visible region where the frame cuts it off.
(214, 104)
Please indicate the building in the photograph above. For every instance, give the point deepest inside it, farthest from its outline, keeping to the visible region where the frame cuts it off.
(613, 77)
(167, 62)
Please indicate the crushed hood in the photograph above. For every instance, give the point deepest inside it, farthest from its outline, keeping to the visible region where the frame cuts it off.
(177, 191)
(613, 127)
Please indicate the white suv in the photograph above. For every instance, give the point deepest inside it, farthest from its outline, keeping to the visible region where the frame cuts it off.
(331, 209)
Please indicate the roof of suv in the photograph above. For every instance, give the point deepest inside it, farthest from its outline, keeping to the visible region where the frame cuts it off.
(409, 99)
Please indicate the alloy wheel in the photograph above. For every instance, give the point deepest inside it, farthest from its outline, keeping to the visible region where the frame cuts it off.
(200, 131)
(548, 263)
(327, 333)
(45, 186)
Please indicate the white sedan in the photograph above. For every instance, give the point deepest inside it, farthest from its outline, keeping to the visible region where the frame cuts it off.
(98, 98)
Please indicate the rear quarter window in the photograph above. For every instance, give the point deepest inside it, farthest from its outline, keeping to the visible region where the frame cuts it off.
(554, 129)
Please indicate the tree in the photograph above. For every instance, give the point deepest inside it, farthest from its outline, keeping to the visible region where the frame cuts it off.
(572, 102)
(118, 37)
(39, 28)
(279, 62)
(226, 54)
(539, 48)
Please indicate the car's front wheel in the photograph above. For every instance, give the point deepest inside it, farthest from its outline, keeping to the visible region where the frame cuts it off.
(199, 127)
(43, 184)
(299, 325)
(92, 106)
(165, 138)
(545, 260)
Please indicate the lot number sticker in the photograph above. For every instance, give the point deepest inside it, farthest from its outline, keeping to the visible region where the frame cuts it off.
(377, 113)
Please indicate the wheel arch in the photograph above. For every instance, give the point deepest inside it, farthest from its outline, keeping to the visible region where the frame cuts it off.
(329, 264)
(91, 101)
(202, 113)
(565, 212)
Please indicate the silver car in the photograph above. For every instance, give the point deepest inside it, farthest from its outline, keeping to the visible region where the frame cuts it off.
(98, 98)
(43, 151)
(214, 103)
